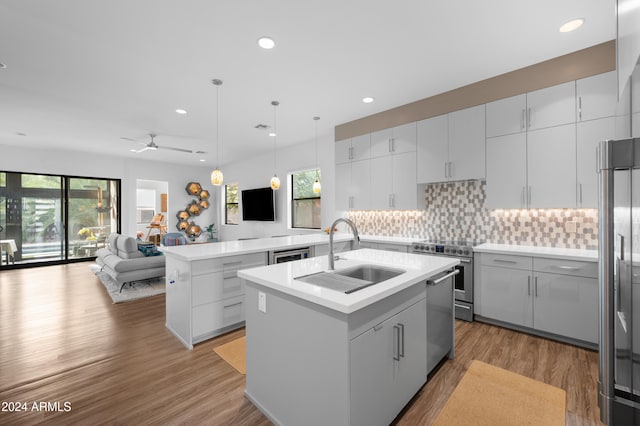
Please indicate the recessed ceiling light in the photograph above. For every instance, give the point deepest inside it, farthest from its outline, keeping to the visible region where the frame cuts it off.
(272, 134)
(202, 160)
(571, 25)
(21, 134)
(266, 42)
(181, 111)
(133, 150)
(367, 100)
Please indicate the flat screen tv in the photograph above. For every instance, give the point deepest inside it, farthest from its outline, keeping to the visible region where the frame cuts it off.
(258, 204)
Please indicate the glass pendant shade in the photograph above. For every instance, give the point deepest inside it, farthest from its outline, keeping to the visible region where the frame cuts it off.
(275, 183)
(217, 177)
(317, 188)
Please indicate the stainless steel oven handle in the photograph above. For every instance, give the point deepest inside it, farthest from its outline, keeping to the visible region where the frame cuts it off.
(462, 306)
(465, 260)
(439, 280)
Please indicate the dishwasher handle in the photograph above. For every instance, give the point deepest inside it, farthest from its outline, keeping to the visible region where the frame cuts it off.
(444, 277)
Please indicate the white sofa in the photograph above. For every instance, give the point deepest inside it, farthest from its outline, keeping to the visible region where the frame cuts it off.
(122, 260)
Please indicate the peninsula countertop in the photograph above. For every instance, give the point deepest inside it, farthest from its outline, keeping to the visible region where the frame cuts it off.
(191, 252)
(282, 277)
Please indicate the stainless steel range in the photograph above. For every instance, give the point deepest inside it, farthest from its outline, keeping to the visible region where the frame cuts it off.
(463, 282)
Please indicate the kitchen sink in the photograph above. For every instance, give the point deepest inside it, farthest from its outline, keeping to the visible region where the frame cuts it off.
(351, 279)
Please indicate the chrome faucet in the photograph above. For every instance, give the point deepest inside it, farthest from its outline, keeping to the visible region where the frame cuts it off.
(356, 238)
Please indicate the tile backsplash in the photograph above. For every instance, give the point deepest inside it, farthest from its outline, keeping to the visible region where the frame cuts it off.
(456, 211)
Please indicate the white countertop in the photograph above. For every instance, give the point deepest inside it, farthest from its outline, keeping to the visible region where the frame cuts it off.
(282, 276)
(193, 252)
(391, 240)
(540, 251)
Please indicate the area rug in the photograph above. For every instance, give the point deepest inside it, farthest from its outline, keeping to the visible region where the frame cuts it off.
(234, 353)
(489, 395)
(133, 291)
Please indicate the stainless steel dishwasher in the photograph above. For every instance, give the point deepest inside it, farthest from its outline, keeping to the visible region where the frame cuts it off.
(440, 320)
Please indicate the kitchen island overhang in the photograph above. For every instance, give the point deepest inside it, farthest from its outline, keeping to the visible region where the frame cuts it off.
(317, 356)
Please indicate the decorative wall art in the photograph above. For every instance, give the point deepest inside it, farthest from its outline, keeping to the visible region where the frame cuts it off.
(194, 208)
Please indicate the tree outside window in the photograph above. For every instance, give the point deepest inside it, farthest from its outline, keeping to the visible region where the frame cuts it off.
(305, 204)
(231, 204)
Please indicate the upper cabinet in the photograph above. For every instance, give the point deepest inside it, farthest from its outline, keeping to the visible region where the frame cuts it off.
(507, 116)
(452, 146)
(354, 149)
(596, 97)
(394, 141)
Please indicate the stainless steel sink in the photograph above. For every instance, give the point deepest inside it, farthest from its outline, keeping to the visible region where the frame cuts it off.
(351, 279)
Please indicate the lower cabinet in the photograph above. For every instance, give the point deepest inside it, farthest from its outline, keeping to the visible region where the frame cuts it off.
(548, 295)
(388, 366)
(385, 246)
(205, 298)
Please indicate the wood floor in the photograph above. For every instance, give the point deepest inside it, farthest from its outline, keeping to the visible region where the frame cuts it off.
(63, 342)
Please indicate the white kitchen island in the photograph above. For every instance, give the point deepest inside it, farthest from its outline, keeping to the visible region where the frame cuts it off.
(317, 356)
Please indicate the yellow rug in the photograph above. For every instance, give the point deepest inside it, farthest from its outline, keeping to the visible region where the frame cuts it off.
(491, 396)
(234, 353)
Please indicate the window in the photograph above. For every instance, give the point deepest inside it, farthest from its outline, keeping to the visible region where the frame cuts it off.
(305, 204)
(231, 204)
(146, 205)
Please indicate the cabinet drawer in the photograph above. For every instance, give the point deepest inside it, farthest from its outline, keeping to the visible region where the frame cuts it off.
(566, 267)
(205, 266)
(216, 286)
(214, 316)
(506, 261)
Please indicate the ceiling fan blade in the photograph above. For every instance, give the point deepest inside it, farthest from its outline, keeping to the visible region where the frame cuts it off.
(128, 139)
(176, 149)
(146, 148)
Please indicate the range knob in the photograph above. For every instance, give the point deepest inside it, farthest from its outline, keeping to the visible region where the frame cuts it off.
(446, 250)
(466, 252)
(459, 251)
(432, 248)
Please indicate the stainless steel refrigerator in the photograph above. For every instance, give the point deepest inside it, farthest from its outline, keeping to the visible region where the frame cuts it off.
(619, 275)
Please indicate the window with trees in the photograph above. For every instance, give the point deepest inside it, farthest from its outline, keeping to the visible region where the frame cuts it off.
(305, 204)
(231, 212)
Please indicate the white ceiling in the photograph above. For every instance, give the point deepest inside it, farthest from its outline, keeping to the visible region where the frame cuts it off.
(81, 74)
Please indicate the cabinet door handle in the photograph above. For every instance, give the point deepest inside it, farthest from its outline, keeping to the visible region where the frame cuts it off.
(523, 202)
(566, 268)
(401, 349)
(505, 261)
(522, 120)
(579, 108)
(378, 327)
(529, 286)
(351, 202)
(468, 308)
(529, 118)
(232, 305)
(396, 343)
(535, 286)
(529, 196)
(446, 174)
(580, 193)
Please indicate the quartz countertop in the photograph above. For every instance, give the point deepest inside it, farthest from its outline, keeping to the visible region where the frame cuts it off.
(191, 252)
(539, 251)
(282, 277)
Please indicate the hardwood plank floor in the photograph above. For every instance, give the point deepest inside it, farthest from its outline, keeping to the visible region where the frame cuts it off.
(62, 340)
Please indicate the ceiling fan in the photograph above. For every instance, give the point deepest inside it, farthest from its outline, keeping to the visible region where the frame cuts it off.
(152, 146)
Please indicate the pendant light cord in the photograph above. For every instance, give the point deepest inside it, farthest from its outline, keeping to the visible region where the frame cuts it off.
(316, 119)
(275, 138)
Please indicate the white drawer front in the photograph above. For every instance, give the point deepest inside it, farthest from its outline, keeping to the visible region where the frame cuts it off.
(214, 316)
(205, 266)
(216, 286)
(576, 268)
(506, 261)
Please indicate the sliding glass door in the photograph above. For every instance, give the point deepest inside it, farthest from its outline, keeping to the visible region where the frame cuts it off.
(54, 219)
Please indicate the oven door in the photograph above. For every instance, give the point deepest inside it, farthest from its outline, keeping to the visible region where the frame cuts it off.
(463, 282)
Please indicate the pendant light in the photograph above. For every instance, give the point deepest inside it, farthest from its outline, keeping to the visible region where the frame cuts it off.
(317, 188)
(216, 175)
(275, 181)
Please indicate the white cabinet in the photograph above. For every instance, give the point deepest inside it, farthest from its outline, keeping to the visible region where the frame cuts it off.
(551, 167)
(467, 144)
(205, 298)
(452, 146)
(547, 295)
(588, 135)
(531, 149)
(388, 366)
(353, 185)
(353, 149)
(551, 106)
(403, 248)
(596, 96)
(433, 149)
(394, 141)
(393, 182)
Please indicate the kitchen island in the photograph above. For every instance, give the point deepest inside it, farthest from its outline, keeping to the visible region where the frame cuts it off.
(204, 295)
(320, 356)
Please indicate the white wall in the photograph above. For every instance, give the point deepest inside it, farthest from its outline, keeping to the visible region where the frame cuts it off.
(256, 172)
(82, 164)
